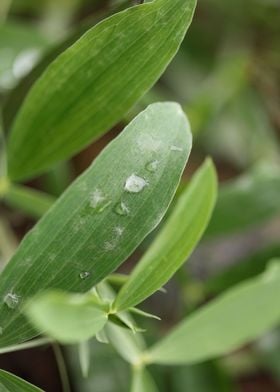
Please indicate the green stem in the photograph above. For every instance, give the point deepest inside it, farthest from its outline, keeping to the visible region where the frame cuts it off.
(33, 203)
(8, 242)
(25, 346)
(61, 368)
(4, 186)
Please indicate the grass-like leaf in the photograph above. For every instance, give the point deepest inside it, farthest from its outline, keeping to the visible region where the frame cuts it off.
(237, 317)
(101, 218)
(65, 317)
(175, 242)
(94, 83)
(11, 383)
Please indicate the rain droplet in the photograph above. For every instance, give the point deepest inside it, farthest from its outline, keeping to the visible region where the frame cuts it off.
(122, 209)
(175, 148)
(98, 201)
(109, 246)
(152, 166)
(135, 184)
(85, 274)
(119, 231)
(12, 300)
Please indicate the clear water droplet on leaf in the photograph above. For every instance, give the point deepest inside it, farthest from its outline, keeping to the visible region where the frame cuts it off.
(84, 275)
(98, 201)
(122, 209)
(135, 184)
(152, 166)
(12, 300)
(176, 148)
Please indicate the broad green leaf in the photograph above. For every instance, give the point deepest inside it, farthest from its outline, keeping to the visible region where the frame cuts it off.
(15, 98)
(243, 269)
(102, 217)
(142, 381)
(66, 318)
(11, 383)
(175, 242)
(247, 201)
(94, 83)
(235, 318)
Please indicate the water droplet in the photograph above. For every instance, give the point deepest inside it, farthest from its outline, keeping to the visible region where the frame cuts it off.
(175, 148)
(98, 201)
(85, 274)
(135, 184)
(122, 209)
(119, 231)
(109, 246)
(152, 166)
(1, 331)
(12, 300)
(51, 257)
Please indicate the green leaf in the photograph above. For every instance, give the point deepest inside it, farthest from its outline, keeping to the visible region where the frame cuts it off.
(237, 317)
(11, 383)
(66, 318)
(93, 84)
(247, 201)
(142, 381)
(175, 242)
(99, 221)
(15, 98)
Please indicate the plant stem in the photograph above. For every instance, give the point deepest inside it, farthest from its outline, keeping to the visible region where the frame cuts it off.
(25, 346)
(61, 367)
(32, 202)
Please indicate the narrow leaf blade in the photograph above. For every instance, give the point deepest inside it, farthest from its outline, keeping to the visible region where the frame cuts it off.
(12, 383)
(175, 242)
(93, 84)
(235, 318)
(99, 220)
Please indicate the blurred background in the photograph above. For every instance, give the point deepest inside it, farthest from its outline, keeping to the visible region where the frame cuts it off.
(227, 77)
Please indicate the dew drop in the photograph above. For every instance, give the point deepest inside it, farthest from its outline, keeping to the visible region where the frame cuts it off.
(98, 201)
(135, 184)
(109, 246)
(12, 300)
(175, 148)
(119, 231)
(84, 275)
(152, 166)
(122, 209)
